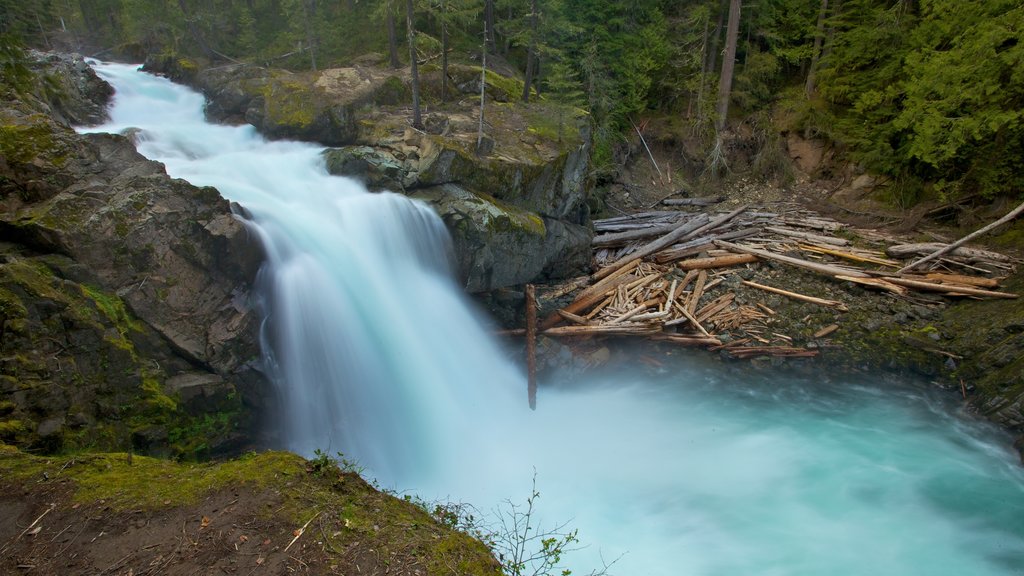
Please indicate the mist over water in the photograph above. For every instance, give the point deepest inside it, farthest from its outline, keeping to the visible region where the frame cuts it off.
(693, 469)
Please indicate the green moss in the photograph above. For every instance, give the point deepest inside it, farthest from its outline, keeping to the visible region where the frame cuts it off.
(511, 86)
(155, 397)
(289, 102)
(31, 139)
(10, 428)
(113, 308)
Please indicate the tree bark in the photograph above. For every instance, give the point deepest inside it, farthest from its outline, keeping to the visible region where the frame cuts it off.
(417, 120)
(819, 37)
(728, 64)
(392, 40)
(530, 56)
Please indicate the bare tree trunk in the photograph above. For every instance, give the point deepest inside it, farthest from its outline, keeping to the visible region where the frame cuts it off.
(489, 26)
(417, 120)
(819, 36)
(728, 64)
(530, 56)
(392, 40)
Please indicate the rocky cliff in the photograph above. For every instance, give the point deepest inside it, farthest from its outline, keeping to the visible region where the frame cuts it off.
(124, 293)
(514, 201)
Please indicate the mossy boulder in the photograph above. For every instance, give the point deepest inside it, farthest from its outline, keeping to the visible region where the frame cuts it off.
(497, 244)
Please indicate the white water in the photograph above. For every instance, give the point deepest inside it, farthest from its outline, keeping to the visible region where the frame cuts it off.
(695, 470)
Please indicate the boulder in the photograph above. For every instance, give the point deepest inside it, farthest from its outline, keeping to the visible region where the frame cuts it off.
(499, 245)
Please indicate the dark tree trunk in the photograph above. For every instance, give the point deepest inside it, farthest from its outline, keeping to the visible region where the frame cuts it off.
(716, 38)
(530, 56)
(819, 36)
(392, 40)
(417, 120)
(728, 64)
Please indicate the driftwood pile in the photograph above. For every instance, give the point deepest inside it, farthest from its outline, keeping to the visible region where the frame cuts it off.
(656, 272)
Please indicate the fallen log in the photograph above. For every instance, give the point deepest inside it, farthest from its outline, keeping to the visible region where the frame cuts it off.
(796, 296)
(971, 254)
(631, 235)
(808, 236)
(599, 330)
(961, 279)
(954, 246)
(876, 283)
(693, 201)
(680, 251)
(687, 340)
(588, 298)
(826, 269)
(848, 255)
(949, 288)
(667, 240)
(716, 262)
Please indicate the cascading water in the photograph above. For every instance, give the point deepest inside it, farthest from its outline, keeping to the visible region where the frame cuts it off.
(695, 470)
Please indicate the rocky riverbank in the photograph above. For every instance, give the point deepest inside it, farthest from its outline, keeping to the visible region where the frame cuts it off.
(124, 293)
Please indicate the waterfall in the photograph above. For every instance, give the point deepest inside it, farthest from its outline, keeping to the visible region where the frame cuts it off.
(690, 469)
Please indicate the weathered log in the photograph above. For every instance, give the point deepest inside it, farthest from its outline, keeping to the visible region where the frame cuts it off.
(667, 240)
(934, 248)
(876, 283)
(600, 330)
(591, 295)
(572, 317)
(687, 340)
(808, 236)
(692, 201)
(813, 266)
(960, 279)
(717, 262)
(848, 255)
(953, 246)
(948, 288)
(796, 296)
(631, 235)
(680, 251)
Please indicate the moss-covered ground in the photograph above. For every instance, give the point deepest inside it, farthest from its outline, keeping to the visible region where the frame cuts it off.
(238, 515)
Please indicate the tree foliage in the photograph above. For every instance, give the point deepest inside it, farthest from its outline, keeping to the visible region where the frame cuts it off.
(927, 92)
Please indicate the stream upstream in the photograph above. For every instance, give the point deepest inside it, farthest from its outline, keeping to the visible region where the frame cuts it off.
(695, 468)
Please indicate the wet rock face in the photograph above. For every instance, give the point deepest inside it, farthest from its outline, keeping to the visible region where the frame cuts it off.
(116, 282)
(77, 96)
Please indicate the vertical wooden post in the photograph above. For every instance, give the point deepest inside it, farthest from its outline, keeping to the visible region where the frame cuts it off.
(531, 345)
